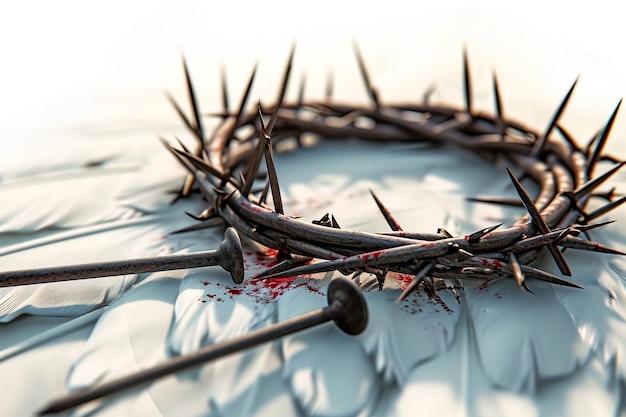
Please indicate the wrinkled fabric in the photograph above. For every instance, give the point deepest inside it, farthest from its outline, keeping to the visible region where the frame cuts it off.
(485, 351)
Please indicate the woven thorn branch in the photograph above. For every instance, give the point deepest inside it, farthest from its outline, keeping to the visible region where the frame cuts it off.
(225, 167)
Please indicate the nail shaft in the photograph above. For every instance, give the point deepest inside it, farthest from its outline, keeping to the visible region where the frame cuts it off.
(346, 306)
(229, 256)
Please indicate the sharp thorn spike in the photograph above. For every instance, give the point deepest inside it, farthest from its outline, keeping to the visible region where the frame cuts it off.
(199, 163)
(605, 209)
(391, 221)
(180, 113)
(509, 202)
(423, 273)
(371, 91)
(476, 236)
(264, 193)
(498, 104)
(285, 265)
(539, 223)
(538, 146)
(282, 91)
(428, 94)
(271, 168)
(601, 141)
(197, 126)
(518, 275)
(204, 224)
(588, 187)
(582, 244)
(467, 83)
(568, 137)
(224, 88)
(301, 90)
(535, 273)
(253, 166)
(246, 94)
(330, 84)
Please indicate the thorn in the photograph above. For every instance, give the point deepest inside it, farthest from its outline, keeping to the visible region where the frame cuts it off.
(467, 83)
(582, 244)
(301, 90)
(530, 272)
(517, 271)
(428, 94)
(499, 109)
(244, 101)
(206, 214)
(391, 221)
(601, 141)
(204, 224)
(476, 236)
(271, 169)
(282, 91)
(591, 142)
(264, 192)
(568, 138)
(180, 113)
(199, 163)
(421, 275)
(541, 226)
(371, 91)
(324, 221)
(509, 202)
(538, 146)
(197, 127)
(224, 88)
(588, 187)
(444, 233)
(330, 84)
(253, 166)
(605, 209)
(189, 180)
(289, 263)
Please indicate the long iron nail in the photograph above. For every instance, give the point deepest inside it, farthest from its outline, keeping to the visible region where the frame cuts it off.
(229, 256)
(346, 307)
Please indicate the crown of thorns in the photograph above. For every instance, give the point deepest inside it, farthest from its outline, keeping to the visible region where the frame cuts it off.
(226, 164)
